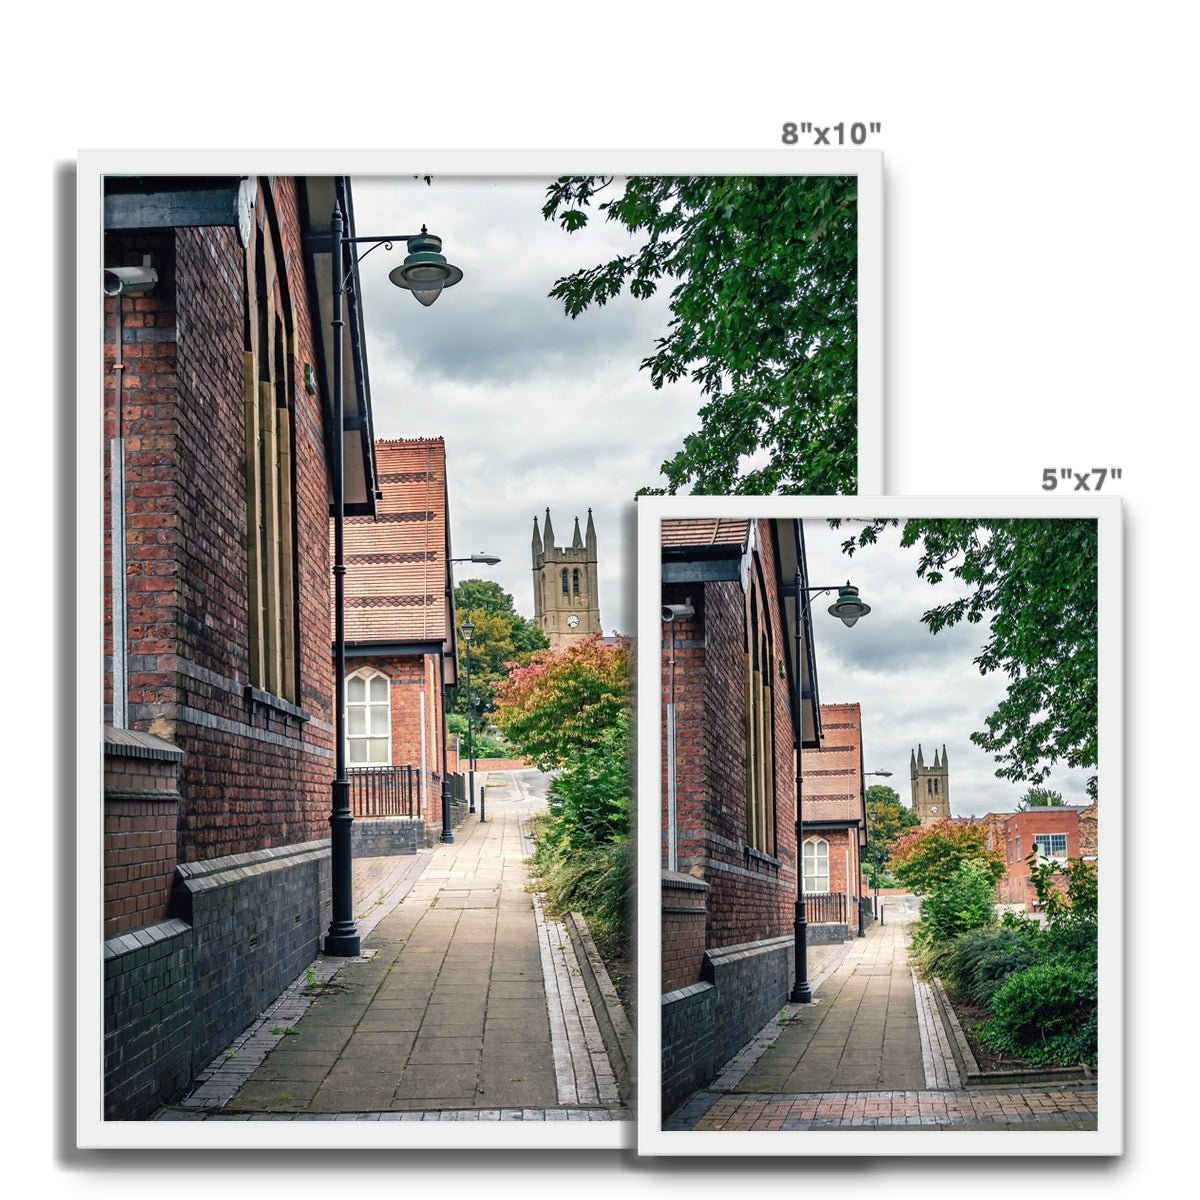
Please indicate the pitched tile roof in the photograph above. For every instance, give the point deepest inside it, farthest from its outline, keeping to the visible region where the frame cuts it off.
(397, 565)
(704, 531)
(831, 777)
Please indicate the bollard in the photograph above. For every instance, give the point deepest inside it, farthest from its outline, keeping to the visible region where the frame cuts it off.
(482, 792)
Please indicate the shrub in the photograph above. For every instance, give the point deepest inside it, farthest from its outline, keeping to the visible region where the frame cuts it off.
(963, 902)
(589, 799)
(982, 960)
(596, 882)
(1047, 1012)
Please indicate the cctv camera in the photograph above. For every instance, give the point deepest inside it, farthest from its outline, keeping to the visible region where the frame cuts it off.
(118, 280)
(677, 612)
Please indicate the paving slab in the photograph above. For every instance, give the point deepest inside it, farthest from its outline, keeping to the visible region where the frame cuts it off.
(453, 1009)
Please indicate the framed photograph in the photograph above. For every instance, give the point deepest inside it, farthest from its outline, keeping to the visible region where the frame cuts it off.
(317, 524)
(880, 893)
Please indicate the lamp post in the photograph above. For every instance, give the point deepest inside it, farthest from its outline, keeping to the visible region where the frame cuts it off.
(468, 630)
(872, 840)
(847, 608)
(425, 273)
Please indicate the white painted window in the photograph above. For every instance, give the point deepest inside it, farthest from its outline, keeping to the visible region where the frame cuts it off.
(1051, 845)
(368, 719)
(816, 865)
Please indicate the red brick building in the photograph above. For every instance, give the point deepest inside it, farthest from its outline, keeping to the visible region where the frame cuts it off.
(218, 739)
(400, 635)
(738, 691)
(1059, 833)
(834, 818)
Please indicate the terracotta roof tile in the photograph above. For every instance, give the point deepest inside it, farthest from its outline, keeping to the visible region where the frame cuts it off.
(704, 531)
(396, 566)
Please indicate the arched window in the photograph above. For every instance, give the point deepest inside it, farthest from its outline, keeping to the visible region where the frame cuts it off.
(575, 581)
(564, 581)
(816, 865)
(368, 719)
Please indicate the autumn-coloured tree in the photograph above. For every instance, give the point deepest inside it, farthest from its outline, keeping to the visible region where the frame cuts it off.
(928, 857)
(565, 700)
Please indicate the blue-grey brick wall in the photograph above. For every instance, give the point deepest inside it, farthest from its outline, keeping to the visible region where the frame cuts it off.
(382, 837)
(147, 1005)
(752, 982)
(706, 1024)
(257, 920)
(176, 994)
(688, 1057)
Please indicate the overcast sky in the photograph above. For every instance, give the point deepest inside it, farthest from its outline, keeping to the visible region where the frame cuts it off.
(537, 410)
(913, 686)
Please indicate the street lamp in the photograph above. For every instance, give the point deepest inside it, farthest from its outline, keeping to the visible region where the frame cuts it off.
(847, 608)
(424, 272)
(468, 630)
(874, 851)
(489, 560)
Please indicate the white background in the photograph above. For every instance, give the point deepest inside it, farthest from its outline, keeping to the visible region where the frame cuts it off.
(1040, 311)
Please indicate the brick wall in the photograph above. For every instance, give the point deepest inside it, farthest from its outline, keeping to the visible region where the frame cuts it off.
(251, 893)
(1019, 832)
(141, 814)
(147, 1046)
(752, 894)
(684, 925)
(688, 1057)
(254, 775)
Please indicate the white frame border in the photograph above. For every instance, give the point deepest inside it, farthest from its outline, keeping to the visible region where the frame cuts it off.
(1107, 1138)
(92, 1131)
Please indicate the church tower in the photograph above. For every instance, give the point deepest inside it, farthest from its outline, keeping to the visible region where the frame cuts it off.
(566, 595)
(930, 786)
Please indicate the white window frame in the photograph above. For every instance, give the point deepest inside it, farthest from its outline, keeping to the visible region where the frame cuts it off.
(1050, 855)
(368, 675)
(820, 851)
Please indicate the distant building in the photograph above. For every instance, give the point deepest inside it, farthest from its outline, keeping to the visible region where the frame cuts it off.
(930, 786)
(834, 819)
(400, 651)
(1055, 833)
(566, 590)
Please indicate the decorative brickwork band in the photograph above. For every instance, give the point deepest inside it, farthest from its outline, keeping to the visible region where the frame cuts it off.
(390, 601)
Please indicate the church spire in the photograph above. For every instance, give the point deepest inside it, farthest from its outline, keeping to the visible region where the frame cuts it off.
(537, 543)
(591, 535)
(577, 539)
(548, 533)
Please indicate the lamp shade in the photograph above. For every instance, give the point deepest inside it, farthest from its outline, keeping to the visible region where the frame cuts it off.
(425, 272)
(849, 607)
(467, 630)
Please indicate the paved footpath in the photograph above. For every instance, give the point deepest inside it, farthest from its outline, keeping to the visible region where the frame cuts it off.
(466, 1004)
(869, 1052)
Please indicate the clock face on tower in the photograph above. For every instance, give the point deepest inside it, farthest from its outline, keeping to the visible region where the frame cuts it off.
(572, 620)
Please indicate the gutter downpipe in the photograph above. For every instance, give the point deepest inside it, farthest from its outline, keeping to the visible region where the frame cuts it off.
(120, 617)
(672, 835)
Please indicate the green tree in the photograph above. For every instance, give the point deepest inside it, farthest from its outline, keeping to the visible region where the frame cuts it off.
(927, 858)
(565, 700)
(764, 318)
(501, 637)
(1040, 797)
(887, 818)
(1034, 583)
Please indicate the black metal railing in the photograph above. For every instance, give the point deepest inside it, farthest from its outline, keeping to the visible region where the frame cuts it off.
(821, 908)
(385, 791)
